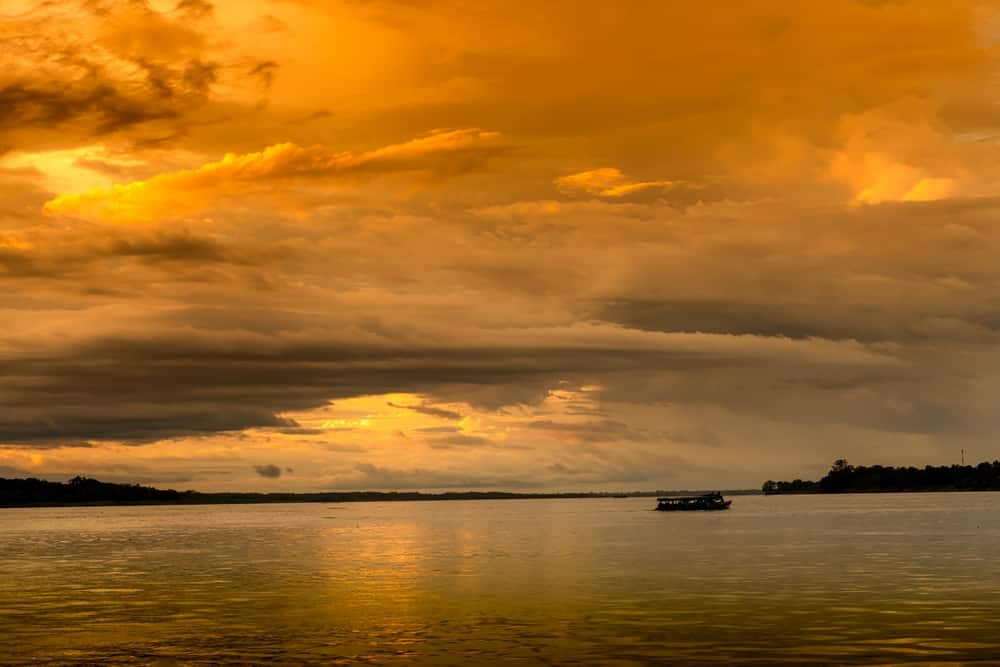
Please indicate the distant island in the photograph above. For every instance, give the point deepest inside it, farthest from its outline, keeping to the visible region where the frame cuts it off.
(846, 478)
(33, 492)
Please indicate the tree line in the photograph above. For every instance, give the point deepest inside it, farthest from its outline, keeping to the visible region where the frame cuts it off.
(33, 492)
(846, 478)
(79, 490)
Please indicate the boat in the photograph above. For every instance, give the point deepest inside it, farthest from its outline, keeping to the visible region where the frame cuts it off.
(708, 501)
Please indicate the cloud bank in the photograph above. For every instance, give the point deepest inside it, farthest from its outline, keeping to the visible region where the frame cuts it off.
(718, 269)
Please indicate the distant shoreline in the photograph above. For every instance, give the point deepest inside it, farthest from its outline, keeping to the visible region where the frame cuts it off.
(851, 492)
(85, 492)
(846, 478)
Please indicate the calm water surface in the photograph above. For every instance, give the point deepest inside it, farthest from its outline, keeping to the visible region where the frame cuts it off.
(866, 579)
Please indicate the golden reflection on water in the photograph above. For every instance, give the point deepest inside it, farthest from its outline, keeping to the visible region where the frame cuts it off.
(842, 580)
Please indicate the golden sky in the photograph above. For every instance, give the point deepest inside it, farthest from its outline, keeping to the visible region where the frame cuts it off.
(388, 244)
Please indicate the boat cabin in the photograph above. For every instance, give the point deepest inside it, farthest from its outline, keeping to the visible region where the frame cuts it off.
(708, 501)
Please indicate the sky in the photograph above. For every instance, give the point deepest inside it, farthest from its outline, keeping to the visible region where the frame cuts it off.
(304, 245)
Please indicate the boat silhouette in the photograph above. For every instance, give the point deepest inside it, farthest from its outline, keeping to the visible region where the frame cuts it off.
(708, 501)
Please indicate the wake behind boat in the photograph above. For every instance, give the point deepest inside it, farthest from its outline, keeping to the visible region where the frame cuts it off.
(709, 501)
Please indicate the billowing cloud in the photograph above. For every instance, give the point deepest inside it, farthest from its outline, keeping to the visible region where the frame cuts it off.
(437, 154)
(611, 183)
(716, 270)
(249, 378)
(77, 70)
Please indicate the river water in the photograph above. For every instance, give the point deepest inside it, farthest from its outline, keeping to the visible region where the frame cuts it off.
(852, 579)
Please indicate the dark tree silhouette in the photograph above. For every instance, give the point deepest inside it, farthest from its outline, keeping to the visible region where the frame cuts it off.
(86, 491)
(846, 478)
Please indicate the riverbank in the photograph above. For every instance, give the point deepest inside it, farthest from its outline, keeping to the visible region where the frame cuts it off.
(81, 491)
(846, 478)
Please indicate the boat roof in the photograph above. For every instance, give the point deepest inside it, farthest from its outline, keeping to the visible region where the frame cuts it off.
(678, 498)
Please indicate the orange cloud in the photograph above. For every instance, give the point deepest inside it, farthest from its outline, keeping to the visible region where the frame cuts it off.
(610, 183)
(135, 73)
(438, 154)
(751, 306)
(878, 177)
(902, 152)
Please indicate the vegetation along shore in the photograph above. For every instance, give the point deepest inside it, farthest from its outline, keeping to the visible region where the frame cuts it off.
(846, 478)
(33, 492)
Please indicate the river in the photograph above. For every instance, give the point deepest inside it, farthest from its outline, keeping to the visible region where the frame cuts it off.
(850, 579)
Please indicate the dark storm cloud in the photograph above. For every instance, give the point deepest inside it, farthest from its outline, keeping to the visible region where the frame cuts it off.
(270, 471)
(839, 275)
(136, 422)
(844, 321)
(181, 247)
(214, 356)
(185, 381)
(142, 391)
(79, 70)
(81, 260)
(110, 106)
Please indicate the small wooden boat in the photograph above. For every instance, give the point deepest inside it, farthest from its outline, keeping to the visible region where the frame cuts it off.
(709, 501)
